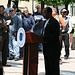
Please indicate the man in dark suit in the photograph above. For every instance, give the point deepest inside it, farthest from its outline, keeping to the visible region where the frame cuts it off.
(51, 48)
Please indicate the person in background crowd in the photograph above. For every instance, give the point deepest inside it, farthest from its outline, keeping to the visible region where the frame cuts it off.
(51, 48)
(13, 46)
(8, 18)
(62, 26)
(65, 32)
(38, 24)
(7, 9)
(71, 22)
(4, 36)
(27, 20)
(38, 14)
(59, 19)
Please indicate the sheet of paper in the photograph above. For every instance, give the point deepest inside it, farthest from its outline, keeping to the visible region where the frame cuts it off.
(8, 22)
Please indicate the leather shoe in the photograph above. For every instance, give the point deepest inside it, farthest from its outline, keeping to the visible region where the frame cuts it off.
(65, 57)
(7, 65)
(16, 59)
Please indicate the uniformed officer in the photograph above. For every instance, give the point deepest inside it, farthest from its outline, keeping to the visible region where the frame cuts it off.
(4, 37)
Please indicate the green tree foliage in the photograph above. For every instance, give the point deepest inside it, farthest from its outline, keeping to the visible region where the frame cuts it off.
(20, 0)
(57, 2)
(68, 1)
(51, 2)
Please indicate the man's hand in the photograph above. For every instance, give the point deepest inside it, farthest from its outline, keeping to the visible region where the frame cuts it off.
(4, 23)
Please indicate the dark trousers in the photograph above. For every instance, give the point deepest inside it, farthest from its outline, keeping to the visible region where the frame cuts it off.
(65, 39)
(4, 40)
(52, 64)
(51, 57)
(1, 70)
(60, 39)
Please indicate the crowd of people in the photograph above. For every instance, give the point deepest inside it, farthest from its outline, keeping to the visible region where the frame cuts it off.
(66, 29)
(54, 28)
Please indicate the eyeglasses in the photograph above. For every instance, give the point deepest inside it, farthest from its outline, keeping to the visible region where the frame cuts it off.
(11, 11)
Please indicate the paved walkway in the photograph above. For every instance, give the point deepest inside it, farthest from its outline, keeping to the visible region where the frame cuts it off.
(67, 67)
(15, 69)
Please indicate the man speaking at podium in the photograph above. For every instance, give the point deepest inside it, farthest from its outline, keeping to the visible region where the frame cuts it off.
(51, 48)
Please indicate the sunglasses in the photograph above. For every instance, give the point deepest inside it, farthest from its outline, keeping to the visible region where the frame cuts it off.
(11, 11)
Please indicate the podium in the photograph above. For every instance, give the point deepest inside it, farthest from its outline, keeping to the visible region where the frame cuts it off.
(30, 53)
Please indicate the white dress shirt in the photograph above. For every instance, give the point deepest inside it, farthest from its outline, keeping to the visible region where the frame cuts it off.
(45, 25)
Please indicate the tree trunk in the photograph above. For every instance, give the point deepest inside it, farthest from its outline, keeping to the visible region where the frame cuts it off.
(66, 6)
(15, 3)
(57, 10)
(9, 2)
(42, 5)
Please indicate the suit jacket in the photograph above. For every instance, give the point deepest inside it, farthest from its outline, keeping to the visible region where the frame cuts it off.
(51, 36)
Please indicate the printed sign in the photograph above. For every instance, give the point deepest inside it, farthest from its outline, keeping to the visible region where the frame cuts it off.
(21, 37)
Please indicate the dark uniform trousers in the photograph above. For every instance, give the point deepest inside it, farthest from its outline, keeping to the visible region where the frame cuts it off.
(65, 39)
(4, 40)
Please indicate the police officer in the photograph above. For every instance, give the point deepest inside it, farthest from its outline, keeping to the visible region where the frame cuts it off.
(4, 38)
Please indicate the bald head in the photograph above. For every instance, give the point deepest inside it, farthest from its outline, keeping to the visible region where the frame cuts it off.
(47, 12)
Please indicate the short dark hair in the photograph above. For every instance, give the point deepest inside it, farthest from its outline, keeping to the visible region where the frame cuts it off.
(1, 6)
(49, 9)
